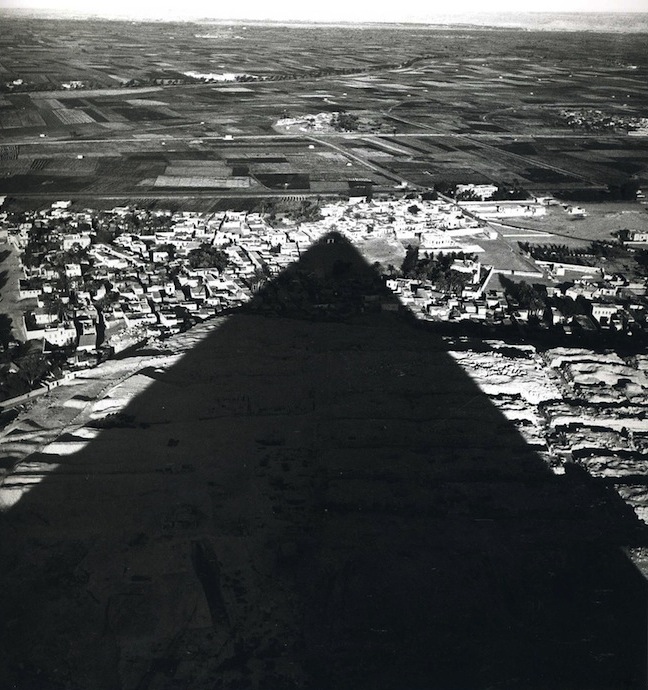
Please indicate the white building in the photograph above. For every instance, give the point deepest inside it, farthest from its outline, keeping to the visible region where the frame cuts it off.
(604, 311)
(73, 270)
(77, 238)
(60, 335)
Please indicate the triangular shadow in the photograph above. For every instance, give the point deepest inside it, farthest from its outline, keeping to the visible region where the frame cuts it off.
(317, 495)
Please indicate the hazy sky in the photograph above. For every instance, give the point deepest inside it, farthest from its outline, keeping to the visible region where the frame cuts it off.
(329, 10)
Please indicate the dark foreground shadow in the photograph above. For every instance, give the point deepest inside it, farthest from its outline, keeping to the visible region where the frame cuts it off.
(318, 496)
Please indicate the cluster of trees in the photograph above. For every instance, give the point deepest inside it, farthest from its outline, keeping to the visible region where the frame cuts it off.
(531, 297)
(304, 211)
(601, 248)
(76, 255)
(207, 256)
(108, 226)
(571, 307)
(641, 259)
(553, 251)
(585, 256)
(30, 366)
(259, 279)
(625, 190)
(467, 195)
(38, 245)
(623, 235)
(510, 193)
(6, 335)
(44, 248)
(535, 299)
(438, 270)
(345, 122)
(445, 187)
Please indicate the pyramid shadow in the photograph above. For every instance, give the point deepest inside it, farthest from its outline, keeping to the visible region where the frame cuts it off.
(317, 495)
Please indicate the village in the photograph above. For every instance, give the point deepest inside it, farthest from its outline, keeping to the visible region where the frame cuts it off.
(94, 283)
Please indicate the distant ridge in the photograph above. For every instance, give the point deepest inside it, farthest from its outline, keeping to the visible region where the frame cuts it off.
(600, 22)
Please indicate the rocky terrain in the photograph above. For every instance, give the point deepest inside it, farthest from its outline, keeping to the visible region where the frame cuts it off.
(601, 419)
(335, 499)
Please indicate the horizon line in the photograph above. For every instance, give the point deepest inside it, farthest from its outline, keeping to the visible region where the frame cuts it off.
(456, 17)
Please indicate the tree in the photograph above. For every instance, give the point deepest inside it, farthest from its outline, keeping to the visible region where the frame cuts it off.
(566, 306)
(259, 278)
(344, 122)
(410, 261)
(32, 368)
(170, 249)
(583, 305)
(392, 271)
(527, 296)
(54, 306)
(306, 212)
(599, 248)
(207, 256)
(622, 235)
(505, 193)
(105, 235)
(467, 195)
(6, 335)
(641, 258)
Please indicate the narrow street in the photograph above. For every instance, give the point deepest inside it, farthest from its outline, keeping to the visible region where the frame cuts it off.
(10, 274)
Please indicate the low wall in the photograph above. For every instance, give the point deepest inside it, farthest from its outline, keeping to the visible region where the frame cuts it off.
(19, 399)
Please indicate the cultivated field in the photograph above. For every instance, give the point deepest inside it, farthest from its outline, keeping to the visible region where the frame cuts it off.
(449, 106)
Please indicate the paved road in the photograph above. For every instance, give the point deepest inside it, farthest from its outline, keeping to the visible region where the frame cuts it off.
(195, 136)
(359, 159)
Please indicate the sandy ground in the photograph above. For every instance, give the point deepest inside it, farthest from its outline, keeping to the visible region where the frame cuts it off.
(385, 250)
(602, 220)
